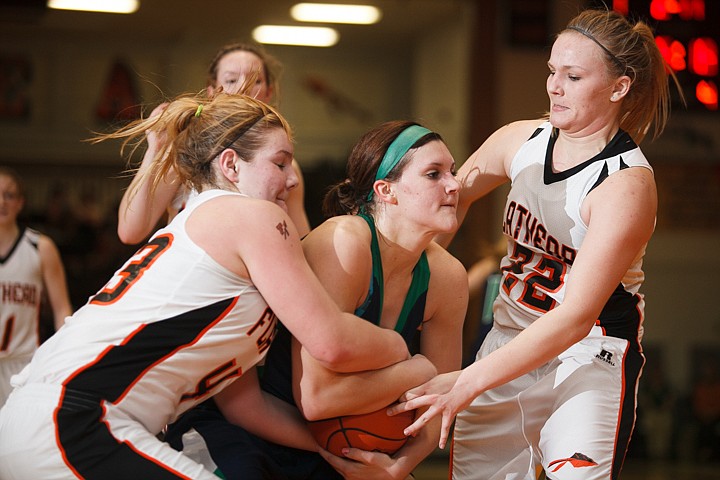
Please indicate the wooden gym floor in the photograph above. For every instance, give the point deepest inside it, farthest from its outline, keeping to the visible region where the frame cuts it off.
(435, 467)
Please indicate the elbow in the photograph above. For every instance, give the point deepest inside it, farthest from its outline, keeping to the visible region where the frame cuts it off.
(123, 234)
(125, 239)
(577, 317)
(333, 357)
(128, 236)
(333, 350)
(313, 410)
(319, 405)
(585, 330)
(582, 329)
(311, 401)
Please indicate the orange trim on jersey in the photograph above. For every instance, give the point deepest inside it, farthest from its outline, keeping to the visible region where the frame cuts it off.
(200, 335)
(107, 426)
(60, 402)
(621, 407)
(89, 364)
(598, 324)
(154, 460)
(119, 399)
(132, 270)
(57, 435)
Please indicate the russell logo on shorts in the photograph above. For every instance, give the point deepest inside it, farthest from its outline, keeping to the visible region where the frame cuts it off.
(578, 460)
(606, 357)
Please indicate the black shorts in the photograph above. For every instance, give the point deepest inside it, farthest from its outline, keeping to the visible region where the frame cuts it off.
(242, 455)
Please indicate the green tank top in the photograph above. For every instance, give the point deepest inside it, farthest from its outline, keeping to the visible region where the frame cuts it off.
(413, 310)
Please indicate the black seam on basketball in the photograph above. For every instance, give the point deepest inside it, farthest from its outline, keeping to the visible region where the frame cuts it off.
(342, 430)
(372, 434)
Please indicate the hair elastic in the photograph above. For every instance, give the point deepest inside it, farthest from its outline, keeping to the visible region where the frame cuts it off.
(199, 110)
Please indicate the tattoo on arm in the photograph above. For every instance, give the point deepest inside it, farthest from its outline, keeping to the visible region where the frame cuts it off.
(283, 229)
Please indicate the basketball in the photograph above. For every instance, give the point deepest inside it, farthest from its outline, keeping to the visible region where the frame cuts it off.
(375, 431)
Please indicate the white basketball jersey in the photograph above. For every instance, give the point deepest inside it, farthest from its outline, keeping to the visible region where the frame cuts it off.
(21, 289)
(544, 229)
(170, 329)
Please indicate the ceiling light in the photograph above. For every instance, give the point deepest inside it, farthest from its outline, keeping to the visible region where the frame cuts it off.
(106, 6)
(334, 13)
(302, 36)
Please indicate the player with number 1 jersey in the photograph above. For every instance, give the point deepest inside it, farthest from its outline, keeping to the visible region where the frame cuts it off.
(21, 287)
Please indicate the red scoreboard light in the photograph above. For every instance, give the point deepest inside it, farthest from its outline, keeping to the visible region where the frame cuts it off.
(673, 51)
(663, 10)
(707, 93)
(703, 56)
(687, 33)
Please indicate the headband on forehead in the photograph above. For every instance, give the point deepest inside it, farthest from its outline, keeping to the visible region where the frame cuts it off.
(605, 49)
(397, 149)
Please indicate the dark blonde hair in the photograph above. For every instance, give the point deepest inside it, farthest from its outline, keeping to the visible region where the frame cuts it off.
(271, 66)
(197, 130)
(630, 49)
(15, 177)
(352, 194)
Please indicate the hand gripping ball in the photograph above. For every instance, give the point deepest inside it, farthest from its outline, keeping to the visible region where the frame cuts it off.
(375, 431)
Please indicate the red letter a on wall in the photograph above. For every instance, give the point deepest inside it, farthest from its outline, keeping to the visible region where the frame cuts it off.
(119, 100)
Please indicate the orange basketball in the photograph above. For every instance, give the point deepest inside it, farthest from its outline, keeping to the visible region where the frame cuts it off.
(376, 431)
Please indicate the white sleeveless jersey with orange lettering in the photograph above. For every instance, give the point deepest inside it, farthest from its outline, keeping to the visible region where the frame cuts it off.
(573, 416)
(170, 329)
(21, 289)
(544, 229)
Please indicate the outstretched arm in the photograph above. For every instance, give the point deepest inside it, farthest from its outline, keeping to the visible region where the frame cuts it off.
(620, 214)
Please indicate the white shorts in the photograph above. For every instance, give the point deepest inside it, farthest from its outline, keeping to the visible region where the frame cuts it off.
(35, 442)
(571, 418)
(9, 366)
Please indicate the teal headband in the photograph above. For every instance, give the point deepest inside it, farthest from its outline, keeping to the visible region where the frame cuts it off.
(397, 150)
